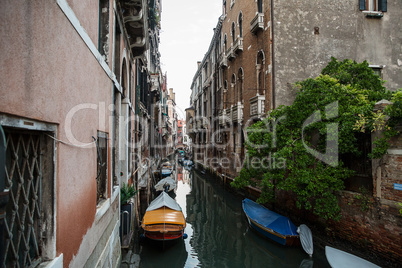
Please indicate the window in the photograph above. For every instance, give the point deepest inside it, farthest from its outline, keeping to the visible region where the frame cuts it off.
(233, 93)
(224, 7)
(232, 2)
(361, 164)
(259, 6)
(241, 25)
(240, 85)
(260, 73)
(103, 35)
(377, 69)
(30, 179)
(225, 43)
(373, 5)
(101, 178)
(233, 32)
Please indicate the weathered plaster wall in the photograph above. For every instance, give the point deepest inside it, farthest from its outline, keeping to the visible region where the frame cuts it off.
(48, 73)
(344, 33)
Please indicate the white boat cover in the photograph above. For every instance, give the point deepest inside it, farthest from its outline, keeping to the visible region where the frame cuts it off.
(164, 200)
(168, 180)
(306, 239)
(341, 259)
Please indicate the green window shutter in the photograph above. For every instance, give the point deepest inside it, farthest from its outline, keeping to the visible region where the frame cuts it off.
(382, 5)
(362, 4)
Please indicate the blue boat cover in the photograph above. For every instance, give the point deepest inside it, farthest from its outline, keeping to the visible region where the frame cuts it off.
(268, 218)
(166, 172)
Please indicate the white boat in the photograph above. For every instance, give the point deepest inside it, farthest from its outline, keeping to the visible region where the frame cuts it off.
(341, 259)
(167, 184)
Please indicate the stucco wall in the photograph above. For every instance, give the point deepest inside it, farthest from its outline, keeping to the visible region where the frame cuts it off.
(344, 33)
(50, 75)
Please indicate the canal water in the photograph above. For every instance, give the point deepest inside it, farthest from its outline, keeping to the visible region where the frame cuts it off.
(218, 233)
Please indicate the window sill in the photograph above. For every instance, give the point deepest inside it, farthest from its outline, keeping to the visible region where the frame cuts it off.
(373, 14)
(101, 209)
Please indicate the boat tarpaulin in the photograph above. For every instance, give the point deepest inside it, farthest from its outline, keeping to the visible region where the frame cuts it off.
(166, 172)
(164, 200)
(163, 216)
(306, 238)
(168, 181)
(268, 218)
(341, 259)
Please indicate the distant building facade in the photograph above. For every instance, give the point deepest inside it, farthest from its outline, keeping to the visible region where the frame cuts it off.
(258, 51)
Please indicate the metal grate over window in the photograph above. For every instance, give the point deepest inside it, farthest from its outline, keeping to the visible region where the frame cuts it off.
(24, 181)
(101, 178)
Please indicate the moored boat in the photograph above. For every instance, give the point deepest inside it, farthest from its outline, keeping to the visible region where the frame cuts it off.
(270, 224)
(166, 184)
(163, 219)
(341, 259)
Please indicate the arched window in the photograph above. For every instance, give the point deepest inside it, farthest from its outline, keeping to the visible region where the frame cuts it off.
(225, 43)
(225, 94)
(232, 89)
(259, 3)
(240, 85)
(241, 24)
(260, 72)
(124, 80)
(233, 32)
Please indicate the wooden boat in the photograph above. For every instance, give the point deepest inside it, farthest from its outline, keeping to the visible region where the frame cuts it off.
(167, 184)
(341, 259)
(270, 224)
(163, 219)
(165, 172)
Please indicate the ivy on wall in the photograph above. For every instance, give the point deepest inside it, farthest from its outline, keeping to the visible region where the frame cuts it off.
(297, 148)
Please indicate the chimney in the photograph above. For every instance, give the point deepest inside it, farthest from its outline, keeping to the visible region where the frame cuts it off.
(198, 64)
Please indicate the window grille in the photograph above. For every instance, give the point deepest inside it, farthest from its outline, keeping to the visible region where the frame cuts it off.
(101, 178)
(23, 237)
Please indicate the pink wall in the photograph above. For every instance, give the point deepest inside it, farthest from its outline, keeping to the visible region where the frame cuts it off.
(48, 71)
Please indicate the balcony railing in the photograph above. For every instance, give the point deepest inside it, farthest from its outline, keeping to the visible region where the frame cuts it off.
(135, 21)
(222, 117)
(257, 107)
(223, 61)
(238, 45)
(257, 23)
(237, 113)
(230, 53)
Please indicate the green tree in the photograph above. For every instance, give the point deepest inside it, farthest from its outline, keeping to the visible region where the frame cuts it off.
(297, 147)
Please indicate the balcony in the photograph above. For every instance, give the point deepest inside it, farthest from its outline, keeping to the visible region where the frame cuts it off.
(135, 19)
(238, 45)
(257, 107)
(257, 23)
(223, 60)
(237, 113)
(222, 117)
(230, 53)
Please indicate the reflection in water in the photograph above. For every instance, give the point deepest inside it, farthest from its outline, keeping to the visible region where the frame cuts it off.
(218, 233)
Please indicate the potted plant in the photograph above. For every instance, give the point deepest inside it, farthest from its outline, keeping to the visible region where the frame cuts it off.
(126, 212)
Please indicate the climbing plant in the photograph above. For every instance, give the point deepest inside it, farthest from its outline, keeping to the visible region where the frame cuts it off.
(296, 148)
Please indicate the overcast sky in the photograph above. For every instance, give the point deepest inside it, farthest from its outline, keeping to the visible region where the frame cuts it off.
(186, 33)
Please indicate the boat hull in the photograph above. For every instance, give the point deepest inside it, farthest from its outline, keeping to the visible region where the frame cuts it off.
(270, 224)
(293, 240)
(160, 232)
(163, 224)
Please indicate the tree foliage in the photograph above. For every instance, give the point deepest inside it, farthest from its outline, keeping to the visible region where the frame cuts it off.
(297, 147)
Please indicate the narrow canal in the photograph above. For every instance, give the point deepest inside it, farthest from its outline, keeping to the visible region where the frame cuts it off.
(218, 233)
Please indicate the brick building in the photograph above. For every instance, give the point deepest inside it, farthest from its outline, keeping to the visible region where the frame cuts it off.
(258, 51)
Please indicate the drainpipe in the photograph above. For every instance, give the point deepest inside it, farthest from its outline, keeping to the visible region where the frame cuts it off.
(3, 193)
(273, 56)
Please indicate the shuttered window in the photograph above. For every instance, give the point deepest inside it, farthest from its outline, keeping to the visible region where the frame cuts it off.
(373, 5)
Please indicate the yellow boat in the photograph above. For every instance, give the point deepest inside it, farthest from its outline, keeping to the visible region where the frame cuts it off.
(163, 219)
